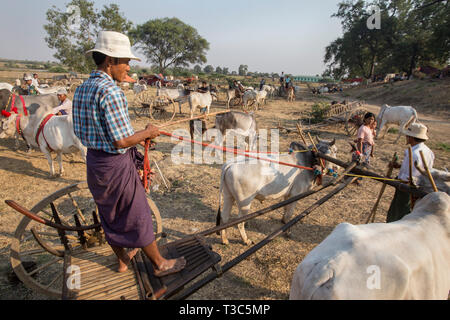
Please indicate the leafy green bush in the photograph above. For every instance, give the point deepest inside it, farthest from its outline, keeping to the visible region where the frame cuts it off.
(443, 146)
(319, 111)
(393, 130)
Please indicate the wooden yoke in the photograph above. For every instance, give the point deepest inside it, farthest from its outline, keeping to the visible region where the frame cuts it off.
(430, 177)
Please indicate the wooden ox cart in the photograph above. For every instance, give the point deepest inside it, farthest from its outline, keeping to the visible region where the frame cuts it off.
(158, 108)
(350, 115)
(59, 249)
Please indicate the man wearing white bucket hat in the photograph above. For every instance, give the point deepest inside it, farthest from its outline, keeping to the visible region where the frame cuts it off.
(101, 122)
(31, 89)
(416, 135)
(65, 106)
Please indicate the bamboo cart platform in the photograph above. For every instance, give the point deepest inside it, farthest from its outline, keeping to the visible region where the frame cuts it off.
(99, 277)
(100, 280)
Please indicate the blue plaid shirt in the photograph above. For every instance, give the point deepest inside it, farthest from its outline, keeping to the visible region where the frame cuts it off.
(100, 113)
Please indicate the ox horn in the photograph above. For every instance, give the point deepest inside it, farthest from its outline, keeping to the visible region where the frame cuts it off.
(333, 142)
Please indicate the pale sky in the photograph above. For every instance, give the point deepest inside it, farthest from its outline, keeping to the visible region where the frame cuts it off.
(266, 35)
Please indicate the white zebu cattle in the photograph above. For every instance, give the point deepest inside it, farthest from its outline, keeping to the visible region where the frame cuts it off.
(406, 259)
(269, 89)
(201, 100)
(441, 179)
(254, 96)
(174, 94)
(261, 97)
(7, 86)
(239, 123)
(242, 181)
(57, 134)
(138, 88)
(402, 116)
(51, 90)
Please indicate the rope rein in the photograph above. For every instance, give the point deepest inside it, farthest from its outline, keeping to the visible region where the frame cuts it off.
(235, 151)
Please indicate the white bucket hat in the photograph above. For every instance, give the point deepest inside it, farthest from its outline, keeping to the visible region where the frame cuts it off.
(113, 44)
(417, 130)
(62, 91)
(27, 77)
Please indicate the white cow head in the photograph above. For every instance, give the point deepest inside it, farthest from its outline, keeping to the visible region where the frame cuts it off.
(328, 148)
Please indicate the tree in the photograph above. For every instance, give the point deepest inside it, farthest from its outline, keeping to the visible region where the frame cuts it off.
(243, 70)
(412, 33)
(208, 69)
(219, 70)
(169, 42)
(225, 71)
(197, 69)
(72, 40)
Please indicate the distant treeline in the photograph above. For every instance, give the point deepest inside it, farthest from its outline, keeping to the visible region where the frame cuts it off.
(389, 36)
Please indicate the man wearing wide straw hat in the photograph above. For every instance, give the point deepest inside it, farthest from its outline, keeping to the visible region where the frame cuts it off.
(416, 135)
(101, 122)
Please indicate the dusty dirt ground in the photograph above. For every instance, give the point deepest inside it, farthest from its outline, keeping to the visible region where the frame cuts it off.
(191, 204)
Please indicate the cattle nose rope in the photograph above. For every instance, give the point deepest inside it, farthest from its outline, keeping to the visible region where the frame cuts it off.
(235, 151)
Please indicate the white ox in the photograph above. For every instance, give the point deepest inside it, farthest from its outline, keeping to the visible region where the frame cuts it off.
(138, 88)
(441, 179)
(243, 181)
(7, 86)
(406, 259)
(254, 96)
(201, 100)
(58, 133)
(51, 90)
(269, 89)
(174, 94)
(239, 123)
(402, 116)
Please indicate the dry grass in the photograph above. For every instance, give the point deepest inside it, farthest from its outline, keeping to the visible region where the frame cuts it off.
(191, 204)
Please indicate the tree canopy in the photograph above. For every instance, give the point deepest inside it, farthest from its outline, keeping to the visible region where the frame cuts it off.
(72, 41)
(169, 42)
(412, 33)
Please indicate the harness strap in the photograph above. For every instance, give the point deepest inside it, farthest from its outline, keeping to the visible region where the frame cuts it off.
(41, 128)
(13, 105)
(146, 166)
(19, 131)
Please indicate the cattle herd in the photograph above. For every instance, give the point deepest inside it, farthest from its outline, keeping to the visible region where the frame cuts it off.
(412, 256)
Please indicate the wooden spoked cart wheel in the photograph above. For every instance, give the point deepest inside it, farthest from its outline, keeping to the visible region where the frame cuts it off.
(142, 104)
(162, 109)
(252, 106)
(354, 120)
(37, 250)
(234, 102)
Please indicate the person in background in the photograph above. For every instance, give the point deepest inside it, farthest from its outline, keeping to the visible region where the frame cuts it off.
(416, 135)
(35, 81)
(288, 82)
(204, 88)
(31, 89)
(65, 106)
(262, 83)
(365, 143)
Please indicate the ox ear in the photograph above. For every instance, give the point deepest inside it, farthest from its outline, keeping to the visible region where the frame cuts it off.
(332, 143)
